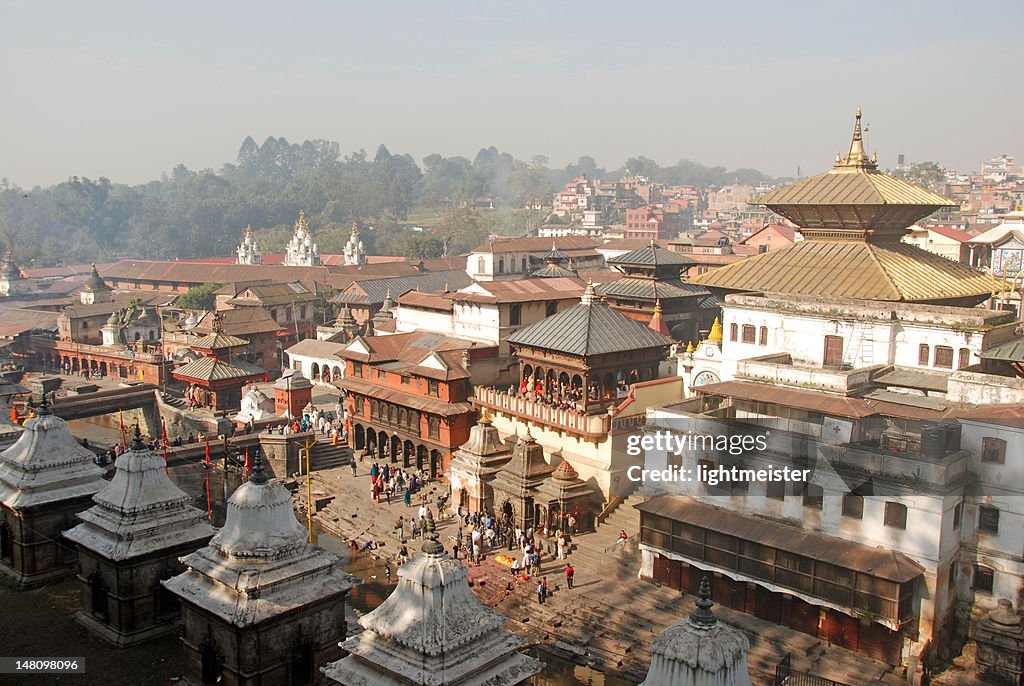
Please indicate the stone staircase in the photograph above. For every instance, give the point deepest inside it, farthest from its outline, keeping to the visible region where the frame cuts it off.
(624, 516)
(325, 455)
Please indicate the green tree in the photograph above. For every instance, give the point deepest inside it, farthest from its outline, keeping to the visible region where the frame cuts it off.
(199, 297)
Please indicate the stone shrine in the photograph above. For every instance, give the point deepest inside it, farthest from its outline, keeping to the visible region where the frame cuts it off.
(699, 650)
(128, 542)
(46, 480)
(260, 604)
(433, 631)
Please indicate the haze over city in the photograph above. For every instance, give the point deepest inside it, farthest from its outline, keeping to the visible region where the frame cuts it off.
(127, 91)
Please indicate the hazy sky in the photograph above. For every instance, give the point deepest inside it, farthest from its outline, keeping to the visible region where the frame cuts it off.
(127, 90)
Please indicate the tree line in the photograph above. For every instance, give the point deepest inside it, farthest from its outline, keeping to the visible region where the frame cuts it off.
(416, 210)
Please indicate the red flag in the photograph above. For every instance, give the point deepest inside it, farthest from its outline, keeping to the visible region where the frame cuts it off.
(124, 435)
(248, 465)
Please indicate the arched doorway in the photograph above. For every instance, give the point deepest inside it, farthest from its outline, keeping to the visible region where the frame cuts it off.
(211, 665)
(421, 457)
(396, 448)
(314, 372)
(435, 463)
(509, 511)
(383, 446)
(407, 452)
(360, 436)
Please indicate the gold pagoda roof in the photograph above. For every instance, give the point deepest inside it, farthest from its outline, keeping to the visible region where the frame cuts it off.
(884, 271)
(853, 195)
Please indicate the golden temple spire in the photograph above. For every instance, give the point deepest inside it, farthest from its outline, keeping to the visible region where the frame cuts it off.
(857, 158)
(355, 228)
(689, 346)
(484, 419)
(248, 230)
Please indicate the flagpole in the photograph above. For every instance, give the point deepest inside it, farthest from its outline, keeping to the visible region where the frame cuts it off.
(209, 506)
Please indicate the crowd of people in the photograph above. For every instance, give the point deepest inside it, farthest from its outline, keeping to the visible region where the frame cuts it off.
(387, 481)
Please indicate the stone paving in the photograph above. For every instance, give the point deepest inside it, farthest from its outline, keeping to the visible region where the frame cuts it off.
(610, 618)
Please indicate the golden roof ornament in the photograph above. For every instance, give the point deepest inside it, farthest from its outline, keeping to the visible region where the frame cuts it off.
(715, 336)
(484, 419)
(355, 228)
(689, 346)
(857, 158)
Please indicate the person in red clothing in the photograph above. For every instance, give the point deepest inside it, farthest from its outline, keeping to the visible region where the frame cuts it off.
(569, 574)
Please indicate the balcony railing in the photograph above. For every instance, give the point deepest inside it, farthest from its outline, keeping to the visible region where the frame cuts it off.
(570, 421)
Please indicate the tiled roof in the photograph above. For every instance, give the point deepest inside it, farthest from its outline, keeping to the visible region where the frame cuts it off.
(212, 369)
(242, 321)
(417, 402)
(218, 340)
(537, 244)
(373, 291)
(523, 290)
(427, 301)
(585, 330)
(890, 271)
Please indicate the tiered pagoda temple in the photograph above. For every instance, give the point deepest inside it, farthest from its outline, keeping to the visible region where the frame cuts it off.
(130, 541)
(46, 480)
(433, 631)
(652, 277)
(554, 267)
(852, 218)
(216, 378)
(260, 604)
(584, 358)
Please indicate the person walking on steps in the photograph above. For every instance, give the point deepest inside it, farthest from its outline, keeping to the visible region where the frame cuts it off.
(569, 574)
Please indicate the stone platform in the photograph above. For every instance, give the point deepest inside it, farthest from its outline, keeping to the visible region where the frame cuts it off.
(610, 618)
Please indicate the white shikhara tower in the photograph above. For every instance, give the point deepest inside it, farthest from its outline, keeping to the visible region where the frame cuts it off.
(301, 250)
(699, 651)
(432, 631)
(355, 254)
(249, 251)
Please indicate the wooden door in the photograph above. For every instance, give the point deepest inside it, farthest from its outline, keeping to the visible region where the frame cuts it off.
(833, 351)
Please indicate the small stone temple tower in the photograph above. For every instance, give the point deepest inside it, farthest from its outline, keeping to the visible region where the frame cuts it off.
(699, 651)
(95, 289)
(249, 251)
(474, 465)
(260, 604)
(46, 480)
(433, 630)
(130, 541)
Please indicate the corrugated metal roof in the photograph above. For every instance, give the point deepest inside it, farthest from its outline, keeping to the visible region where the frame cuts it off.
(880, 562)
(218, 340)
(651, 255)
(650, 289)
(889, 271)
(584, 330)
(1011, 351)
(553, 271)
(377, 289)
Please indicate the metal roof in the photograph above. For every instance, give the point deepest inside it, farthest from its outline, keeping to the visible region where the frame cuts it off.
(881, 562)
(860, 187)
(887, 271)
(1011, 351)
(651, 289)
(376, 290)
(553, 271)
(218, 340)
(589, 329)
(653, 256)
